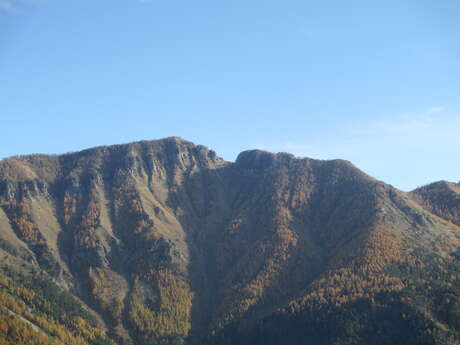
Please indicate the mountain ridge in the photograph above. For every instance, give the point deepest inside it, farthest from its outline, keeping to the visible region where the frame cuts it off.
(169, 243)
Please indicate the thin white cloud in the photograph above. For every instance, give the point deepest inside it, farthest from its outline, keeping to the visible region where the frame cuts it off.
(435, 110)
(431, 127)
(405, 149)
(6, 5)
(296, 148)
(14, 5)
(433, 123)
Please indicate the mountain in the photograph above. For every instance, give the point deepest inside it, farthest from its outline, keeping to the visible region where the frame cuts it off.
(163, 242)
(442, 199)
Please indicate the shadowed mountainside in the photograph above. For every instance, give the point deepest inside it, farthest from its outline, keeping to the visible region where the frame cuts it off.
(163, 242)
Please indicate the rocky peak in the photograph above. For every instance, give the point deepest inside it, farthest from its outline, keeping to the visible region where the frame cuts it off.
(259, 160)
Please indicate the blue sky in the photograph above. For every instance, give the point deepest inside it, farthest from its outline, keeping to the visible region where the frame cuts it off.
(374, 82)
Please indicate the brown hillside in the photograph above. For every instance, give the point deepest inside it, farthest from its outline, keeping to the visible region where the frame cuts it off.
(165, 242)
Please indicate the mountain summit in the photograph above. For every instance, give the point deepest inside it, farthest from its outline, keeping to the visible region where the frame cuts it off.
(164, 242)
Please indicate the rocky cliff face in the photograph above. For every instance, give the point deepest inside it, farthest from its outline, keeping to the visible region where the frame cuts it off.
(167, 243)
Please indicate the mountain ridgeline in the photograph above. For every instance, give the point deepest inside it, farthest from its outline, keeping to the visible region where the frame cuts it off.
(163, 242)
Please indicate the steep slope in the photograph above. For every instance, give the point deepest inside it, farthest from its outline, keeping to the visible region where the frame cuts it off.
(441, 198)
(165, 243)
(106, 223)
(34, 310)
(374, 267)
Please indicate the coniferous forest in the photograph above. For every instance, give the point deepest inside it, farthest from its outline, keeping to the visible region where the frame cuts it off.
(163, 242)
